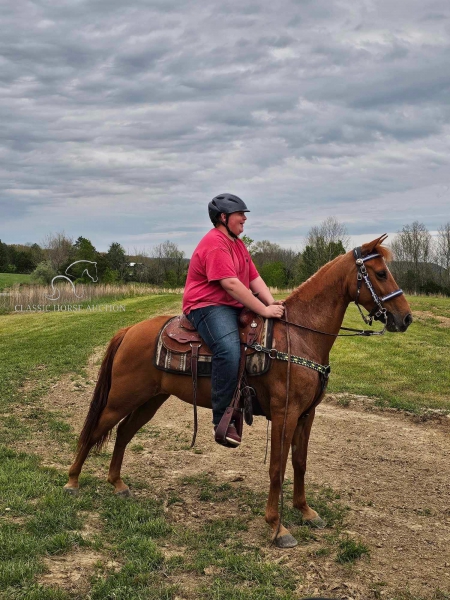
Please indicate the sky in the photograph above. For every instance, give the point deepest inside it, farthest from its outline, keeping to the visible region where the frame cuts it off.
(120, 121)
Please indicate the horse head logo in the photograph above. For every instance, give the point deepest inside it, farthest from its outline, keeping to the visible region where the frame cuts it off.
(67, 277)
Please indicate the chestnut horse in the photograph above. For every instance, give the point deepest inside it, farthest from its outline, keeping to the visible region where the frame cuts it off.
(130, 389)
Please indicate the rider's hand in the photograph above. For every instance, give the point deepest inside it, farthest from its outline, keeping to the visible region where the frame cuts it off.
(273, 311)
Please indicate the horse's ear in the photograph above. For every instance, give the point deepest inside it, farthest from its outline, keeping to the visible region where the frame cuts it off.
(370, 247)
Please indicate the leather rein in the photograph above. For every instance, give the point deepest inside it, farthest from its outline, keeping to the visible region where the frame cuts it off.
(377, 313)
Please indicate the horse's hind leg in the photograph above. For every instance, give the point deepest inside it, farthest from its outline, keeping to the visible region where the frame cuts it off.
(125, 433)
(299, 455)
(108, 419)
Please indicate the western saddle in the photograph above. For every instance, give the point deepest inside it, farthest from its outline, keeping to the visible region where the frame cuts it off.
(180, 336)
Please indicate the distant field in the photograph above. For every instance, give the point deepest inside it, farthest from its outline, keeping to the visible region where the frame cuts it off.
(9, 279)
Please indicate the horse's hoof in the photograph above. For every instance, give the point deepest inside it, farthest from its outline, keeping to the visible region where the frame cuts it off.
(72, 491)
(286, 541)
(124, 493)
(316, 523)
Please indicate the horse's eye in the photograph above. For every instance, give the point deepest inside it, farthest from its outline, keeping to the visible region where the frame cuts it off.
(381, 274)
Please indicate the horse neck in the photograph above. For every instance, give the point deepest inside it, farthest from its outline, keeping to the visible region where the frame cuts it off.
(320, 303)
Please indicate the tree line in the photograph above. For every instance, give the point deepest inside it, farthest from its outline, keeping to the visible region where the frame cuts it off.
(421, 262)
(165, 265)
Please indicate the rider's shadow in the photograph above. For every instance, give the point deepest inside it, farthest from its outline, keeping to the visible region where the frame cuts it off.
(69, 277)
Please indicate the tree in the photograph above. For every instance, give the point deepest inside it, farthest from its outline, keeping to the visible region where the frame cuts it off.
(117, 259)
(412, 248)
(265, 252)
(60, 250)
(37, 254)
(24, 262)
(317, 255)
(248, 243)
(83, 249)
(274, 274)
(170, 264)
(43, 273)
(323, 243)
(328, 232)
(110, 276)
(443, 251)
(4, 257)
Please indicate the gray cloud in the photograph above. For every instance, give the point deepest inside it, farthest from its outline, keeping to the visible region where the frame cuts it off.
(120, 122)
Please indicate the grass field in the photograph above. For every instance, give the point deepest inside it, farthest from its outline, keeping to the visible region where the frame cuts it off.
(9, 279)
(406, 371)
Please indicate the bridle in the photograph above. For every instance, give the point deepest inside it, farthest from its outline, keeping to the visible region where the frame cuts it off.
(378, 312)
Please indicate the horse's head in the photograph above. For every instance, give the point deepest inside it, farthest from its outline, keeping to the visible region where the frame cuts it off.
(384, 301)
(92, 272)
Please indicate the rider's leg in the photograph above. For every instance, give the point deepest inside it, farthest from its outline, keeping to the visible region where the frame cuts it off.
(218, 326)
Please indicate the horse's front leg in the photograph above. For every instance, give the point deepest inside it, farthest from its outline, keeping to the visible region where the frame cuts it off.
(299, 455)
(281, 536)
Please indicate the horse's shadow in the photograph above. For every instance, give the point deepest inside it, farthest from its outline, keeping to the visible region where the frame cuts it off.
(67, 277)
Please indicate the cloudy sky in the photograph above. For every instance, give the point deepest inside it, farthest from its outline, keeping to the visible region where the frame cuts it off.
(120, 122)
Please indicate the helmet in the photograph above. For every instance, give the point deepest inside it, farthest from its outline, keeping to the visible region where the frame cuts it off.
(225, 203)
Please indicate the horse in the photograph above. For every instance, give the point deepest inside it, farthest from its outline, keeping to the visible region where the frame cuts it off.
(67, 277)
(130, 389)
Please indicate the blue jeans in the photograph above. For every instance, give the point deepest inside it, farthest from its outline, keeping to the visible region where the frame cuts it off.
(218, 326)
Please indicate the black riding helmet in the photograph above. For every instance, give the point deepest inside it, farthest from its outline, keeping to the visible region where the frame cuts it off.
(225, 203)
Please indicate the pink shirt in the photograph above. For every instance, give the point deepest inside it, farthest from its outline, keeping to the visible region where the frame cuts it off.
(216, 257)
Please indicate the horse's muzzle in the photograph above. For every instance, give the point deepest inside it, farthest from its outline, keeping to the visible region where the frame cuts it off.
(398, 323)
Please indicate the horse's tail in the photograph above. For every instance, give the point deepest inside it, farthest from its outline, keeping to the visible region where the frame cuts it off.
(100, 396)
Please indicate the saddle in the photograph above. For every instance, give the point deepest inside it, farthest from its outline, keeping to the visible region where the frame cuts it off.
(178, 339)
(179, 333)
(181, 349)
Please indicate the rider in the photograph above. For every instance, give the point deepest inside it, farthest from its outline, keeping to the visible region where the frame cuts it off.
(221, 280)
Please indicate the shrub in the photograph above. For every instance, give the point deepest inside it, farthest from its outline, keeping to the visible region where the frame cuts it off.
(43, 273)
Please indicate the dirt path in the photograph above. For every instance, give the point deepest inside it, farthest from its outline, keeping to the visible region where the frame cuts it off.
(392, 473)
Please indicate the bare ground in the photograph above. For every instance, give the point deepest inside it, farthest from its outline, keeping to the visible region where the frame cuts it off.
(392, 473)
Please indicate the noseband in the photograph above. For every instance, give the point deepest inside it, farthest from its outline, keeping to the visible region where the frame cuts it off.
(378, 312)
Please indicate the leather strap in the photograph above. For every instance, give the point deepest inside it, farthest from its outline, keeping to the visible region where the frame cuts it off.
(222, 427)
(233, 412)
(194, 364)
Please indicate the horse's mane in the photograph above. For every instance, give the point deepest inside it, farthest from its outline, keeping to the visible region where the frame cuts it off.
(326, 272)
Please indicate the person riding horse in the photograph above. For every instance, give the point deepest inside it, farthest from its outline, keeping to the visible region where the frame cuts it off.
(221, 280)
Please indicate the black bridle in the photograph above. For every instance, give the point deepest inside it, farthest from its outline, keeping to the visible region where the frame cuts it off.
(378, 312)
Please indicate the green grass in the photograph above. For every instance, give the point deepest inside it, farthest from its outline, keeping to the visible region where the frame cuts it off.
(407, 370)
(43, 346)
(37, 519)
(350, 550)
(9, 279)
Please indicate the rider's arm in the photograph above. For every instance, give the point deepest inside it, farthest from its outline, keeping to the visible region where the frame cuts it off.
(259, 287)
(239, 292)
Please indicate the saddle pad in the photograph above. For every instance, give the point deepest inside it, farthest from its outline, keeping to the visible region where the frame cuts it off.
(179, 361)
